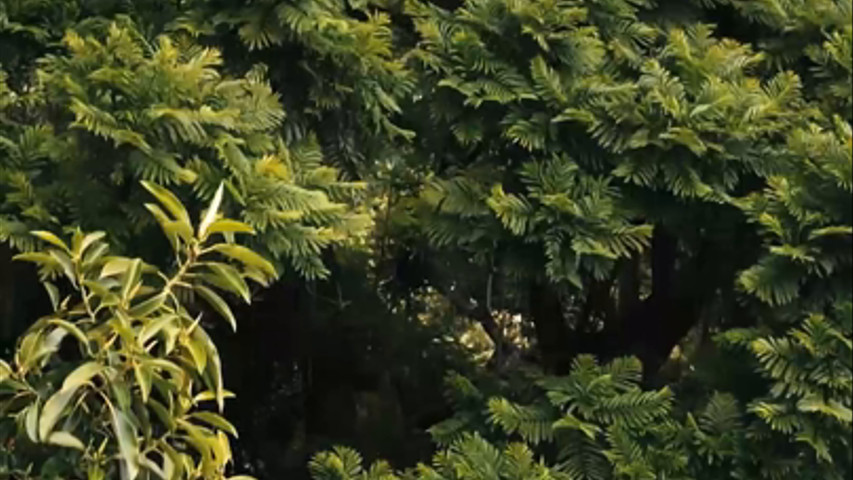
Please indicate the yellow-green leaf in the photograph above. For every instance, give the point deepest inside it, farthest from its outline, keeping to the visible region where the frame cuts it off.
(214, 365)
(82, 374)
(174, 370)
(52, 239)
(165, 221)
(175, 462)
(209, 395)
(115, 266)
(153, 327)
(833, 230)
(65, 262)
(5, 371)
(235, 192)
(65, 439)
(73, 330)
(224, 225)
(53, 293)
(79, 247)
(229, 278)
(37, 257)
(31, 421)
(257, 275)
(218, 304)
(221, 447)
(247, 257)
(169, 201)
(149, 305)
(197, 438)
(162, 413)
(127, 442)
(53, 410)
(198, 352)
(215, 420)
(571, 422)
(180, 229)
(152, 466)
(131, 278)
(143, 379)
(210, 214)
(94, 254)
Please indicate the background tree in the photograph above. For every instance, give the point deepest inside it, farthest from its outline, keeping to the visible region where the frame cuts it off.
(495, 187)
(597, 423)
(592, 167)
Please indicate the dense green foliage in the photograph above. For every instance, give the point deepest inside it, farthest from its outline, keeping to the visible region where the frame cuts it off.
(625, 225)
(164, 113)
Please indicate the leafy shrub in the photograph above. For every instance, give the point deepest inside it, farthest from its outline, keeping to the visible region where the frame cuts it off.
(116, 382)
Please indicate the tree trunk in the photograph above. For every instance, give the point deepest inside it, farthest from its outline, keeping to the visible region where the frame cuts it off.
(552, 333)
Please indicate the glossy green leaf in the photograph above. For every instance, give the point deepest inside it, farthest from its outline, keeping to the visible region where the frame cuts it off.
(53, 409)
(127, 441)
(165, 223)
(173, 229)
(24, 357)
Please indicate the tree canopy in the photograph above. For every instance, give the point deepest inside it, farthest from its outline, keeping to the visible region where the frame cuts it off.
(618, 232)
